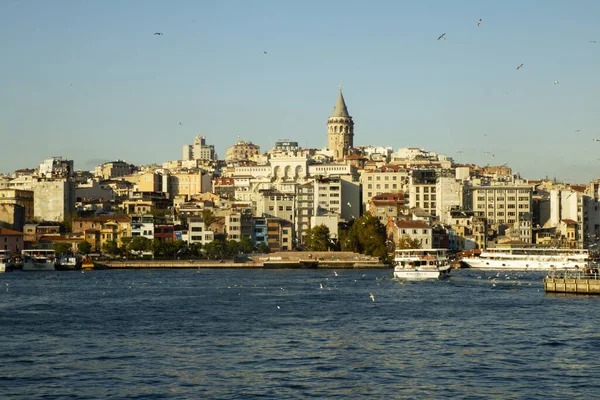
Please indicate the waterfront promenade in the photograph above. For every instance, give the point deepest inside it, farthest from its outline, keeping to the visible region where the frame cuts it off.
(341, 260)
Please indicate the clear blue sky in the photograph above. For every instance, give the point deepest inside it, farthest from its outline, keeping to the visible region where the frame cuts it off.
(88, 80)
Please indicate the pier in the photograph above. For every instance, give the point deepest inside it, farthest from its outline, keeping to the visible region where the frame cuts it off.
(340, 260)
(574, 283)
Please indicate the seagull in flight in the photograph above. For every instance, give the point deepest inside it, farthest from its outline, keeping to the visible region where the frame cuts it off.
(577, 130)
(460, 152)
(592, 41)
(264, 52)
(596, 140)
(442, 36)
(335, 273)
(479, 22)
(556, 82)
(520, 66)
(372, 297)
(158, 33)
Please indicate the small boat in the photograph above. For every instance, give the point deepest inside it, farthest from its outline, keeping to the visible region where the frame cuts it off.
(529, 259)
(87, 263)
(38, 260)
(419, 264)
(68, 262)
(5, 260)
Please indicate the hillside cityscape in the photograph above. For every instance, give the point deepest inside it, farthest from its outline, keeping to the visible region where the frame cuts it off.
(292, 198)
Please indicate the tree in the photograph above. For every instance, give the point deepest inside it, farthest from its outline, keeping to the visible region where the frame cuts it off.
(317, 238)
(246, 245)
(110, 247)
(84, 247)
(140, 243)
(208, 217)
(62, 248)
(263, 248)
(126, 240)
(406, 242)
(215, 249)
(232, 248)
(366, 236)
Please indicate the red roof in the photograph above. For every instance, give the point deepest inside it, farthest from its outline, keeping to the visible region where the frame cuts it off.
(9, 232)
(569, 222)
(410, 224)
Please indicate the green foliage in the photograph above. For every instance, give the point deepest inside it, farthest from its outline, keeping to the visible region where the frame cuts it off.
(232, 248)
(246, 245)
(84, 247)
(406, 242)
(110, 247)
(263, 248)
(366, 236)
(317, 238)
(140, 243)
(208, 217)
(215, 249)
(62, 248)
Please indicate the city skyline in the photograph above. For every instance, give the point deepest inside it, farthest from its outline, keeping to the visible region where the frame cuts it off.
(91, 82)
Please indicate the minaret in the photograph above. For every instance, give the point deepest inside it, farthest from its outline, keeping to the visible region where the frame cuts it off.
(340, 129)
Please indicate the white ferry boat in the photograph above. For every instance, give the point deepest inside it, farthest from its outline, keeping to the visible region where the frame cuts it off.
(5, 260)
(38, 260)
(529, 259)
(417, 264)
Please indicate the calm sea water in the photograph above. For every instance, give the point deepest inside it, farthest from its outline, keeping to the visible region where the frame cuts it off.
(237, 334)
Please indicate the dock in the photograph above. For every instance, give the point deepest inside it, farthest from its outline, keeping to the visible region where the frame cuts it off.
(573, 283)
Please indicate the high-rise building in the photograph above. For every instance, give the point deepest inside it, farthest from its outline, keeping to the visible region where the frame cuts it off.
(199, 150)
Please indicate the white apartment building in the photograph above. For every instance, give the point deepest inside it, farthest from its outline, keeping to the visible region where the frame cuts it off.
(386, 179)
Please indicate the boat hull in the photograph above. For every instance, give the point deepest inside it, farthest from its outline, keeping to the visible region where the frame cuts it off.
(30, 265)
(414, 274)
(523, 264)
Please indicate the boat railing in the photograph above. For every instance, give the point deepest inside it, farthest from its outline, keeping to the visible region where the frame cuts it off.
(577, 273)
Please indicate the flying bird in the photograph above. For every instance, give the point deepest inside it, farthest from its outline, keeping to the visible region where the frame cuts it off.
(556, 82)
(158, 33)
(479, 22)
(335, 273)
(596, 140)
(372, 297)
(577, 130)
(520, 66)
(264, 52)
(442, 36)
(180, 124)
(460, 152)
(593, 41)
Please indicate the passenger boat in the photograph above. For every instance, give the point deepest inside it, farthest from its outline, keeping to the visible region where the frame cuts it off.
(5, 260)
(68, 262)
(418, 264)
(529, 259)
(38, 260)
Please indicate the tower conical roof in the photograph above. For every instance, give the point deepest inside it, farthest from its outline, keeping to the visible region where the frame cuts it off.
(340, 109)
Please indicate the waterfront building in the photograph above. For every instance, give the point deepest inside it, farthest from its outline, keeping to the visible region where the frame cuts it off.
(340, 129)
(198, 232)
(415, 230)
(16, 207)
(11, 240)
(142, 225)
(99, 230)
